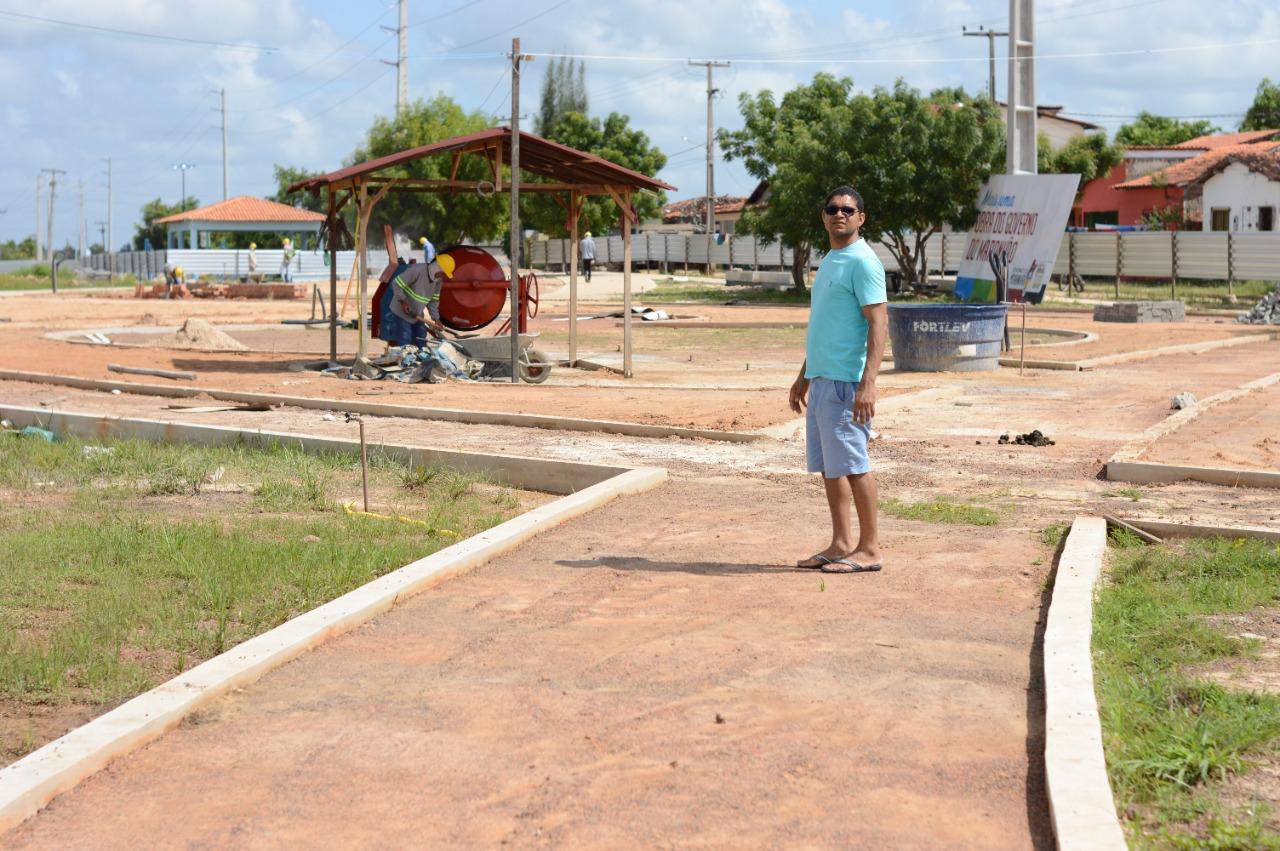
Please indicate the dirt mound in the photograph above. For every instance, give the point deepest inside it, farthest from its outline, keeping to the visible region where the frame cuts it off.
(199, 335)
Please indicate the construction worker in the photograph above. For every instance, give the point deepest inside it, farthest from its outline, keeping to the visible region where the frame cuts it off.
(286, 261)
(253, 262)
(415, 302)
(428, 250)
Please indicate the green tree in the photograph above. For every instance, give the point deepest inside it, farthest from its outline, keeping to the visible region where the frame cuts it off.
(917, 161)
(24, 250)
(153, 210)
(447, 218)
(1089, 156)
(1152, 129)
(767, 144)
(286, 176)
(564, 90)
(1264, 112)
(612, 139)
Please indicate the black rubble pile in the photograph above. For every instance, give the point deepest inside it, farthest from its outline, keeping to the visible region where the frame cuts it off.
(1265, 312)
(1031, 438)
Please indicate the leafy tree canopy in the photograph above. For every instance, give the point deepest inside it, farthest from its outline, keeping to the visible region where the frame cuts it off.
(1089, 156)
(564, 90)
(612, 139)
(158, 209)
(23, 250)
(917, 161)
(445, 218)
(1264, 112)
(1152, 129)
(285, 177)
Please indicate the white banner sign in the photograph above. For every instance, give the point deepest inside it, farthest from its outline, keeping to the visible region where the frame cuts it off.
(1021, 219)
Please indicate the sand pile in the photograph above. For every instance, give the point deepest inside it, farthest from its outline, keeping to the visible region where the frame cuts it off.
(199, 335)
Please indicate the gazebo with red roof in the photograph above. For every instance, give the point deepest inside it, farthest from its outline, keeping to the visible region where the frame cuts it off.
(242, 213)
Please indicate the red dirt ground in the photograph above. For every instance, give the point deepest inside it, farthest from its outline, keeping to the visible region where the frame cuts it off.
(1243, 433)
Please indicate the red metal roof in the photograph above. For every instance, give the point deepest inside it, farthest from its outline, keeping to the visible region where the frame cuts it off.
(1222, 140)
(245, 208)
(1257, 156)
(537, 156)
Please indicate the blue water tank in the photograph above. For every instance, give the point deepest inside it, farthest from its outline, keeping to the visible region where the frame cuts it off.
(946, 337)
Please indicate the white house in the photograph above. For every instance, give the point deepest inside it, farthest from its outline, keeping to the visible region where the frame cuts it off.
(1060, 129)
(1243, 193)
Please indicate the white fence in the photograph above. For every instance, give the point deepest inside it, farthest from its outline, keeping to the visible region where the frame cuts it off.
(233, 263)
(1188, 255)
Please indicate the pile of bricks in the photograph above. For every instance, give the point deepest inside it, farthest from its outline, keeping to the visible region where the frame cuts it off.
(265, 292)
(1141, 311)
(1265, 312)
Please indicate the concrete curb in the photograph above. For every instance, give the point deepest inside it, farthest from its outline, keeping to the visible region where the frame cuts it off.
(1080, 802)
(1183, 348)
(1165, 529)
(382, 409)
(1124, 465)
(30, 783)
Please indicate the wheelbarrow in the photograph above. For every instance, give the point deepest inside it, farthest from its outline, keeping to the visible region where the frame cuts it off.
(495, 355)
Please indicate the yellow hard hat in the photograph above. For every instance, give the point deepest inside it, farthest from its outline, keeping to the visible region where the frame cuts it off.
(447, 264)
(588, 233)
(178, 271)
(422, 240)
(253, 245)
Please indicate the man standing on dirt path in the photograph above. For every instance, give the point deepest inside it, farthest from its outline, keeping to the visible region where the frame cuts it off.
(848, 325)
(587, 252)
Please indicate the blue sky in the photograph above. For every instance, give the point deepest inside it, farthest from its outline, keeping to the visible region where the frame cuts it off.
(307, 88)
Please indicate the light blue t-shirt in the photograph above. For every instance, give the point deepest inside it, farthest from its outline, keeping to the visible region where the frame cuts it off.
(848, 280)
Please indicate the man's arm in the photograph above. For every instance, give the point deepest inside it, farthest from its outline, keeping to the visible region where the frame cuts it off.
(799, 388)
(864, 401)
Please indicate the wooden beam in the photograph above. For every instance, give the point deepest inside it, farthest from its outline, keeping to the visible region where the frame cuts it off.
(624, 204)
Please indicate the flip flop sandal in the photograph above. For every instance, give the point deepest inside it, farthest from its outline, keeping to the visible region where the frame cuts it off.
(819, 558)
(844, 565)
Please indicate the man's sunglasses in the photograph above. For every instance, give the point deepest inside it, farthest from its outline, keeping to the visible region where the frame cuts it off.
(832, 209)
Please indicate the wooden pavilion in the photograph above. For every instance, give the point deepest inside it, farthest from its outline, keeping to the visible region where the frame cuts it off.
(568, 174)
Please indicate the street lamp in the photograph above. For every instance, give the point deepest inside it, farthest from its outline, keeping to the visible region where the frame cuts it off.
(182, 167)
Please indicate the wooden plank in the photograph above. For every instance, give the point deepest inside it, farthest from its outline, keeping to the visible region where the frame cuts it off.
(176, 374)
(1193, 530)
(1146, 536)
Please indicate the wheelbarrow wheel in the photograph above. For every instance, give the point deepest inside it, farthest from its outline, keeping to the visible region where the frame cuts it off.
(535, 367)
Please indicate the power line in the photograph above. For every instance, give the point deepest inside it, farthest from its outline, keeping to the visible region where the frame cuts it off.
(923, 60)
(334, 52)
(515, 26)
(135, 33)
(445, 14)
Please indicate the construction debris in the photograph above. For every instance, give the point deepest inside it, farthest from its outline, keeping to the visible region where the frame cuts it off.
(1182, 400)
(1265, 312)
(199, 335)
(1031, 438)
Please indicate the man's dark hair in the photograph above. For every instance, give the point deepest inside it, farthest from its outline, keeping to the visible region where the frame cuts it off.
(845, 190)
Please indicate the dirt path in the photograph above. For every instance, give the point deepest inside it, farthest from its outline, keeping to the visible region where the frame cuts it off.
(1242, 433)
(568, 694)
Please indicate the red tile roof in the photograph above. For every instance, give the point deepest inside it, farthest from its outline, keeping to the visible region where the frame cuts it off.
(1222, 140)
(694, 207)
(1263, 158)
(245, 208)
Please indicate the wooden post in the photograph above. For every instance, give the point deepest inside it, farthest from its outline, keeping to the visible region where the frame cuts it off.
(686, 255)
(333, 280)
(1022, 353)
(1231, 267)
(1119, 261)
(626, 286)
(573, 278)
(515, 210)
(1173, 284)
(1071, 263)
(943, 270)
(755, 253)
(362, 257)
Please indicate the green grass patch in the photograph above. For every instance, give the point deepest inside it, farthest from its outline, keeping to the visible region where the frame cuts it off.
(941, 511)
(1172, 738)
(668, 291)
(125, 562)
(1203, 293)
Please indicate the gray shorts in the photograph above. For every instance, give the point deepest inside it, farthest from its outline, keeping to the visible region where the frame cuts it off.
(835, 445)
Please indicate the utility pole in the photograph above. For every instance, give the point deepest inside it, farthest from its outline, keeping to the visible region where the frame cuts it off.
(1020, 157)
(402, 56)
(711, 174)
(516, 237)
(991, 36)
(223, 93)
(102, 235)
(108, 243)
(39, 222)
(53, 189)
(80, 246)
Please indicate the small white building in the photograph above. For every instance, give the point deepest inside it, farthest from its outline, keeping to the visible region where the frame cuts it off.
(1242, 194)
(1059, 129)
